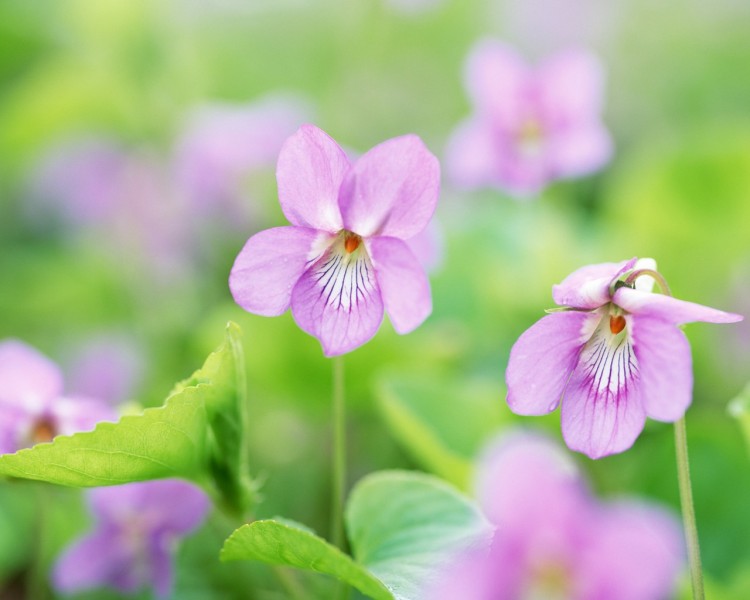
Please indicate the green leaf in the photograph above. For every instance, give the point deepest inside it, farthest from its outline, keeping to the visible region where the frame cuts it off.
(404, 526)
(423, 412)
(285, 544)
(739, 408)
(197, 434)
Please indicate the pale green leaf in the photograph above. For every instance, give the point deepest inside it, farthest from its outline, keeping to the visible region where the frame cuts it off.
(285, 544)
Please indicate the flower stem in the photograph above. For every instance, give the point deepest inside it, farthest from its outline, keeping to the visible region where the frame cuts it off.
(688, 510)
(339, 466)
(339, 454)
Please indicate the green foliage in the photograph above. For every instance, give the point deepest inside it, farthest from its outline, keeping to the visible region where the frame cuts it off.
(402, 527)
(740, 409)
(422, 413)
(197, 434)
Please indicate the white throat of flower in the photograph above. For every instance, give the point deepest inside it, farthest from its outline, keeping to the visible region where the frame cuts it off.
(344, 272)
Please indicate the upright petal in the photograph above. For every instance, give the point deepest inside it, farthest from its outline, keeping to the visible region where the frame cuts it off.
(542, 360)
(668, 309)
(154, 502)
(427, 246)
(268, 267)
(391, 190)
(588, 287)
(94, 561)
(29, 379)
(498, 82)
(603, 410)
(665, 366)
(309, 173)
(472, 155)
(571, 88)
(338, 301)
(579, 151)
(636, 553)
(402, 281)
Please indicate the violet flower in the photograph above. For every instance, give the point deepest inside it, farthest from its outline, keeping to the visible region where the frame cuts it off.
(33, 408)
(613, 356)
(137, 526)
(530, 126)
(344, 259)
(223, 144)
(555, 541)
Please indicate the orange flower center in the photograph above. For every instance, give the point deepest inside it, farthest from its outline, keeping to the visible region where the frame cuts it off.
(351, 242)
(43, 431)
(616, 323)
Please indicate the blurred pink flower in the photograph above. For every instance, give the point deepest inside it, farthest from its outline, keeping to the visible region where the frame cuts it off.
(33, 408)
(530, 126)
(223, 145)
(344, 260)
(613, 357)
(133, 541)
(107, 367)
(554, 540)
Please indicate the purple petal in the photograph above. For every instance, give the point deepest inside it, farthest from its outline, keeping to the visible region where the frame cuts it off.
(498, 82)
(29, 379)
(516, 477)
(96, 560)
(588, 287)
(636, 553)
(72, 415)
(571, 87)
(427, 246)
(472, 155)
(338, 301)
(665, 366)
(391, 190)
(579, 151)
(268, 267)
(668, 309)
(153, 502)
(309, 173)
(403, 283)
(603, 409)
(160, 565)
(542, 360)
(14, 425)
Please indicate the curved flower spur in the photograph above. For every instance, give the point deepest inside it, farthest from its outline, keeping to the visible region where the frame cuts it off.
(612, 355)
(345, 259)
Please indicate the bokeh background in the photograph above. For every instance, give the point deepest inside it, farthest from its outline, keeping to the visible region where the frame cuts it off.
(137, 149)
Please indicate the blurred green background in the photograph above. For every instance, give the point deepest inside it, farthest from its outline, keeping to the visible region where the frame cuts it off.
(678, 189)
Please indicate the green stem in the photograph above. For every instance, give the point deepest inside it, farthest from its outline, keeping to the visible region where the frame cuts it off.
(339, 454)
(339, 466)
(688, 510)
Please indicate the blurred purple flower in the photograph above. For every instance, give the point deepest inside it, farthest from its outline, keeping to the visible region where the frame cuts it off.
(613, 357)
(222, 145)
(530, 126)
(32, 406)
(344, 260)
(133, 541)
(553, 539)
(107, 367)
(123, 197)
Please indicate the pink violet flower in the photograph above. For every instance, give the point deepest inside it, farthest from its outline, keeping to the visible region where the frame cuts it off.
(555, 541)
(611, 357)
(530, 126)
(344, 260)
(131, 547)
(223, 144)
(33, 408)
